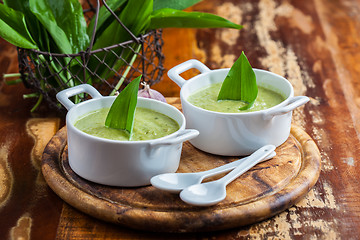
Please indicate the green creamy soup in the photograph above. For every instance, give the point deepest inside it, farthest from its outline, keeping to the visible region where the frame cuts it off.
(148, 124)
(207, 99)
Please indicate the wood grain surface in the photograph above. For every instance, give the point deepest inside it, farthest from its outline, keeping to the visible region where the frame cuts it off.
(315, 44)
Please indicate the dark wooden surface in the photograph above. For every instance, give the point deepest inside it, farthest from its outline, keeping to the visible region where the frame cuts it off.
(314, 43)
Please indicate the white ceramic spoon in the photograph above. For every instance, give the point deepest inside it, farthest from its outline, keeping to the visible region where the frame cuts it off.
(176, 182)
(210, 193)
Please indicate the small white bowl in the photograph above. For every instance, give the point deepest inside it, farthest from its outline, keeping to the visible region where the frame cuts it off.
(120, 163)
(235, 134)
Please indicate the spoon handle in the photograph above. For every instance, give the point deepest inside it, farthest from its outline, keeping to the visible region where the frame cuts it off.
(231, 166)
(251, 161)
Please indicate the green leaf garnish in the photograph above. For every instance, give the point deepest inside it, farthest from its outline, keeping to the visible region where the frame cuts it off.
(240, 83)
(122, 111)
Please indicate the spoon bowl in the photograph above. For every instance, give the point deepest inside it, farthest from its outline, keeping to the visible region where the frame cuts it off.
(175, 182)
(205, 194)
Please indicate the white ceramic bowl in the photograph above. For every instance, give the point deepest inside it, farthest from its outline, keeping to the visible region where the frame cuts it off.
(120, 163)
(235, 134)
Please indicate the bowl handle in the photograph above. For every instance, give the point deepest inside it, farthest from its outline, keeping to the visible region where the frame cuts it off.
(182, 136)
(64, 95)
(293, 103)
(174, 73)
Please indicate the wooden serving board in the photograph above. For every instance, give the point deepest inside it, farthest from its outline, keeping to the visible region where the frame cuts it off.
(265, 190)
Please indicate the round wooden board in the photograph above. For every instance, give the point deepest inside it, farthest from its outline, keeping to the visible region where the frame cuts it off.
(265, 190)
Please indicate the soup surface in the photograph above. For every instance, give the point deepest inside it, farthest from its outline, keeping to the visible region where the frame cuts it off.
(148, 124)
(206, 98)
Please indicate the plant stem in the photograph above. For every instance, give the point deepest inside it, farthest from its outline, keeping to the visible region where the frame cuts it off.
(30, 95)
(37, 103)
(118, 85)
(13, 82)
(11, 75)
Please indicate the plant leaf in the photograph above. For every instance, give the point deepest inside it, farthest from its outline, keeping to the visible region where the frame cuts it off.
(136, 16)
(122, 111)
(37, 31)
(104, 17)
(13, 28)
(172, 18)
(70, 18)
(40, 8)
(64, 21)
(240, 83)
(174, 4)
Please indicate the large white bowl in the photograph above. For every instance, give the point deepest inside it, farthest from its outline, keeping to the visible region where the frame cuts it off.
(235, 134)
(120, 163)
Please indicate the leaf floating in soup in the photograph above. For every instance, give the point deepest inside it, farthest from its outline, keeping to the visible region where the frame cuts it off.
(240, 83)
(122, 111)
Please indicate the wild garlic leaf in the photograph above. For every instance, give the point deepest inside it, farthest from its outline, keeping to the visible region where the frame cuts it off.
(105, 17)
(122, 111)
(13, 28)
(65, 22)
(172, 18)
(175, 4)
(35, 28)
(136, 16)
(40, 8)
(70, 18)
(240, 83)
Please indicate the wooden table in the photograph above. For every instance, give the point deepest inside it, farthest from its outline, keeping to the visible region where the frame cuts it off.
(315, 44)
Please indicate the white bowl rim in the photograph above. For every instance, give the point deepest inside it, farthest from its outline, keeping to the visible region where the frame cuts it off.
(106, 140)
(236, 114)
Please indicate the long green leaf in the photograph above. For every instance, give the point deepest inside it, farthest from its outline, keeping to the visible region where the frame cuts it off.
(172, 18)
(42, 10)
(37, 31)
(122, 111)
(240, 83)
(174, 4)
(70, 18)
(13, 28)
(105, 17)
(18, 5)
(136, 16)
